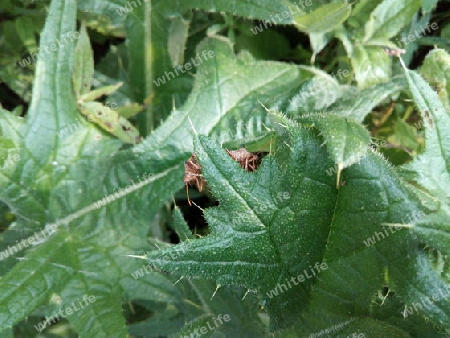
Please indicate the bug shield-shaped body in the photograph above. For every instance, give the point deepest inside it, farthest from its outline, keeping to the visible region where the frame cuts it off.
(246, 159)
(193, 170)
(193, 173)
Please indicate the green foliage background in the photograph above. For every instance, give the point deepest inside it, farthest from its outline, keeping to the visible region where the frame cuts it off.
(354, 140)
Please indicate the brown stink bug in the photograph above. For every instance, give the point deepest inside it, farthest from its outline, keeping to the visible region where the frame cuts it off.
(394, 52)
(193, 175)
(193, 170)
(246, 159)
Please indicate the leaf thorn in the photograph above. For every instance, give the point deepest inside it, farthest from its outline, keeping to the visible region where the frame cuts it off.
(217, 288)
(135, 256)
(248, 290)
(403, 225)
(192, 126)
(338, 176)
(287, 145)
(179, 280)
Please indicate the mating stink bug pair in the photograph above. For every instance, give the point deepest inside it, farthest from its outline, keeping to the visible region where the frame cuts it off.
(193, 170)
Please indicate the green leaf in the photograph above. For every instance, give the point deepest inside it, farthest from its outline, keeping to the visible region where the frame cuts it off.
(110, 121)
(25, 29)
(46, 183)
(436, 70)
(347, 141)
(431, 169)
(148, 38)
(10, 144)
(435, 230)
(177, 39)
(409, 283)
(180, 226)
(391, 256)
(102, 316)
(129, 110)
(99, 92)
(52, 106)
(251, 225)
(318, 42)
(371, 65)
(405, 136)
(389, 17)
(84, 64)
(111, 203)
(361, 12)
(27, 285)
(317, 93)
(105, 197)
(324, 19)
(357, 103)
(223, 99)
(231, 309)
